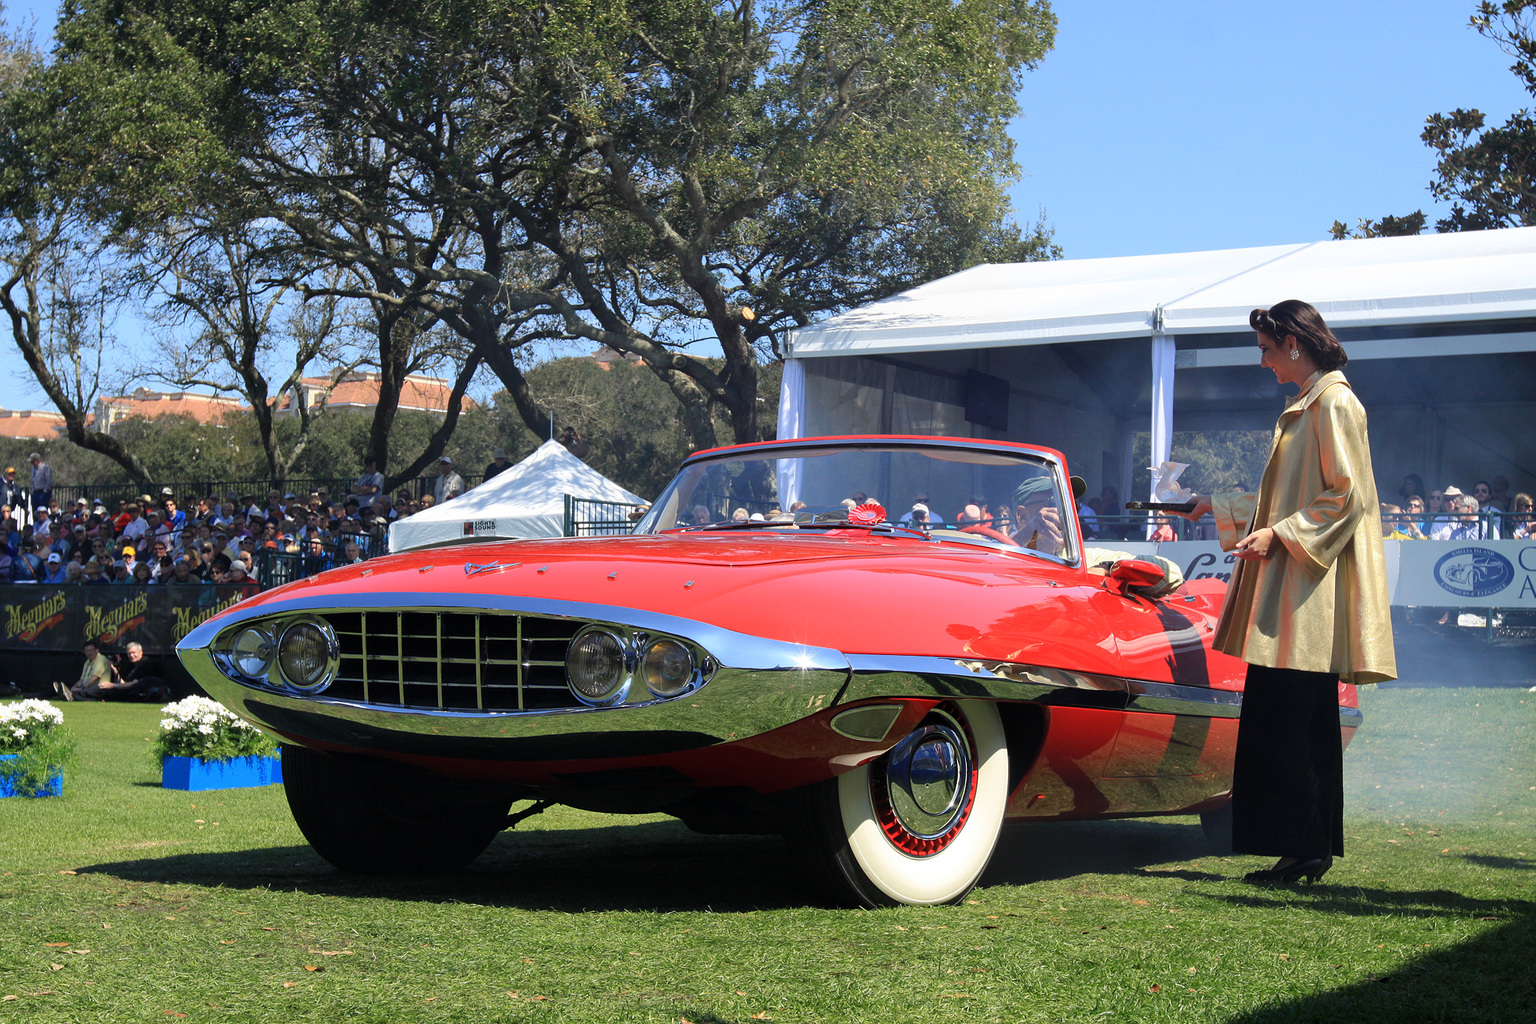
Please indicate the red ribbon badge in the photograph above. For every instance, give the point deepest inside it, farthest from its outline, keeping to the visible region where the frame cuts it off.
(868, 514)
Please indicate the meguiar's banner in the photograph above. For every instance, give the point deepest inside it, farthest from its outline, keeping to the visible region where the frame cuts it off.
(61, 617)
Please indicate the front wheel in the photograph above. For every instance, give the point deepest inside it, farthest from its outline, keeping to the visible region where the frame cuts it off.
(918, 824)
(372, 817)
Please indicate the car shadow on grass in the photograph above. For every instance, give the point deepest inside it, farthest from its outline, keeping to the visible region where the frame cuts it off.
(642, 866)
(656, 865)
(1039, 851)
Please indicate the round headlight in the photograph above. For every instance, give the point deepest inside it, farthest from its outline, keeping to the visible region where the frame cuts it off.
(306, 654)
(596, 666)
(667, 668)
(252, 653)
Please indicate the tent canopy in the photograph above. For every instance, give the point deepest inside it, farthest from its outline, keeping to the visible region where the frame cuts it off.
(1420, 279)
(527, 500)
(1082, 355)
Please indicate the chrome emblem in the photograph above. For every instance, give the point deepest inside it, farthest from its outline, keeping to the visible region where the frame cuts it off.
(472, 569)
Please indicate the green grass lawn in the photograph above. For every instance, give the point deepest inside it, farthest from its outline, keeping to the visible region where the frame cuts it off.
(121, 901)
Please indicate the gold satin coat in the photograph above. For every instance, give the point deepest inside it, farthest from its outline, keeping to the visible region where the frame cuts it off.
(1319, 602)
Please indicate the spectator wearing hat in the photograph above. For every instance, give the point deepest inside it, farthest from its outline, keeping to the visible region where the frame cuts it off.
(12, 495)
(239, 576)
(498, 463)
(1463, 523)
(1448, 513)
(93, 574)
(55, 570)
(449, 483)
(27, 566)
(135, 526)
(1038, 514)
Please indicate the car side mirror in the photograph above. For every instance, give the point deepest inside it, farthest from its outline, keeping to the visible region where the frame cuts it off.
(1136, 574)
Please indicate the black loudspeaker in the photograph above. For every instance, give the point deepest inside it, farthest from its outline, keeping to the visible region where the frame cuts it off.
(986, 400)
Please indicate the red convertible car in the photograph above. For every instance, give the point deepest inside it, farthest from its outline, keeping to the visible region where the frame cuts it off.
(769, 652)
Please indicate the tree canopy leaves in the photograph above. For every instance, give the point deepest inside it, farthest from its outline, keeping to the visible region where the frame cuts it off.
(641, 174)
(1486, 173)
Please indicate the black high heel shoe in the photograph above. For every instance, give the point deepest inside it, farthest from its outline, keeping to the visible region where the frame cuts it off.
(1311, 869)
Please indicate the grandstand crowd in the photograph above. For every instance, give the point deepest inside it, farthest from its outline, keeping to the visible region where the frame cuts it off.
(239, 540)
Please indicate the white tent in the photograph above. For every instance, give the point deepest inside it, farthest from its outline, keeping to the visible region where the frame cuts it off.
(1079, 333)
(527, 500)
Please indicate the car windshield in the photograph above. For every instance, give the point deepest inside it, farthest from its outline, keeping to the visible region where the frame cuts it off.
(974, 495)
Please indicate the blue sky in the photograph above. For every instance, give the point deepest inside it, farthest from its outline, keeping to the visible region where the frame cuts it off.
(1161, 126)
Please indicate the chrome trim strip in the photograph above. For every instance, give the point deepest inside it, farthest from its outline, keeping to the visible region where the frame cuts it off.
(1178, 699)
(876, 675)
(879, 675)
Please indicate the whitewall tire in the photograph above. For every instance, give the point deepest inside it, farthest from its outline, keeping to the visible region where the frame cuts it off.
(919, 824)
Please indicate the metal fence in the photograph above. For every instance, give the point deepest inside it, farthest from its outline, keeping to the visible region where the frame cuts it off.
(588, 517)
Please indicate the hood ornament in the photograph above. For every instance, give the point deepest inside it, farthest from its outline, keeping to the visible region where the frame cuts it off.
(472, 569)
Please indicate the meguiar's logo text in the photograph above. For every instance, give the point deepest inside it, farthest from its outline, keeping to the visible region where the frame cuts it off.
(25, 624)
(108, 628)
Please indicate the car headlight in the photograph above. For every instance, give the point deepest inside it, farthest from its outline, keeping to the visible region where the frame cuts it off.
(667, 668)
(251, 653)
(307, 655)
(597, 666)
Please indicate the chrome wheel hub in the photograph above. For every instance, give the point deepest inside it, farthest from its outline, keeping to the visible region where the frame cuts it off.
(928, 778)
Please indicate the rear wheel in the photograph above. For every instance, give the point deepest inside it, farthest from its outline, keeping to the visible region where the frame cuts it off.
(373, 817)
(919, 824)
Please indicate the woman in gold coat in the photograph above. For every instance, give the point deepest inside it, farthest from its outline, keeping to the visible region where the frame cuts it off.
(1307, 606)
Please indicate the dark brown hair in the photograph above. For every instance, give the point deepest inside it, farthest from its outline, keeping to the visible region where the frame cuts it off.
(1301, 320)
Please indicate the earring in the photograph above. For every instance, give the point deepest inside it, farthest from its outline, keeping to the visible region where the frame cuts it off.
(1295, 353)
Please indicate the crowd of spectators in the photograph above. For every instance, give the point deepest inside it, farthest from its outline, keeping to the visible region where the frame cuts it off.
(1486, 512)
(225, 539)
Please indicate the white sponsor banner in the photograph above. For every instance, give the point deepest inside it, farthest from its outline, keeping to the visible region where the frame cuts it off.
(1467, 574)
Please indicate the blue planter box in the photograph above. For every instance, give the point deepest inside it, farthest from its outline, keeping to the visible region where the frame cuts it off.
(191, 774)
(54, 788)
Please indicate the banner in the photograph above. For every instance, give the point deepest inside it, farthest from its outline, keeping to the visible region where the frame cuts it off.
(1420, 573)
(62, 617)
(1468, 574)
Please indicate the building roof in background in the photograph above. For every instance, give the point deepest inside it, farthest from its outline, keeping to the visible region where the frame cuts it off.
(360, 390)
(147, 404)
(30, 423)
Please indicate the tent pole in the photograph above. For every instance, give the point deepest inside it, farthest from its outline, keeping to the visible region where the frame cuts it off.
(1164, 348)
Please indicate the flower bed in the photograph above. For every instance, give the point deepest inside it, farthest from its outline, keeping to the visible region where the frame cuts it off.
(203, 745)
(34, 749)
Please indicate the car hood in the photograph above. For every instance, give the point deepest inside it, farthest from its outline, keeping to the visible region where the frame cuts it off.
(850, 591)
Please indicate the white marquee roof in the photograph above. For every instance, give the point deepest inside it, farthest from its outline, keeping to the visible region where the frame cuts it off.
(527, 500)
(1467, 276)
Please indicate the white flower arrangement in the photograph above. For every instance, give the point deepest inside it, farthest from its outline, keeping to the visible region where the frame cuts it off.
(36, 746)
(205, 729)
(26, 722)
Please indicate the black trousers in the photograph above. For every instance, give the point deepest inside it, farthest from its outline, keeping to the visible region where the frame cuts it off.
(1288, 778)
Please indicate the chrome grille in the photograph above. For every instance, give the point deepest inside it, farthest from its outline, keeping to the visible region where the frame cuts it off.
(453, 660)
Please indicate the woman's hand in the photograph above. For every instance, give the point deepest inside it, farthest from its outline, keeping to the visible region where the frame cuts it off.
(1202, 506)
(1257, 545)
